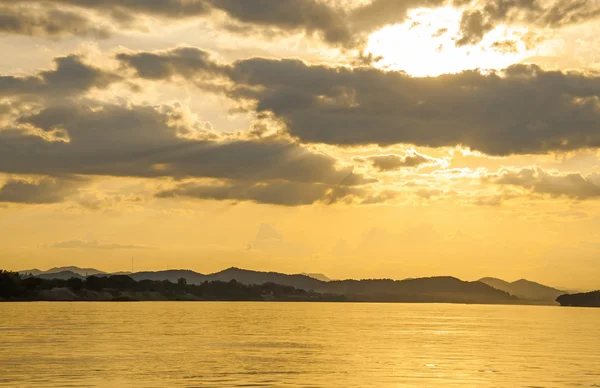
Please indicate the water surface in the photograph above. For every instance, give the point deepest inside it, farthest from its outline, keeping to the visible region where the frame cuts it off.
(297, 345)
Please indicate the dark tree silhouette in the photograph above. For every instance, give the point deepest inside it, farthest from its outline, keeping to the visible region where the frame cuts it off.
(10, 284)
(122, 288)
(75, 284)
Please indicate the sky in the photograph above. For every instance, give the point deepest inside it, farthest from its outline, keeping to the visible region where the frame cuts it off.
(359, 139)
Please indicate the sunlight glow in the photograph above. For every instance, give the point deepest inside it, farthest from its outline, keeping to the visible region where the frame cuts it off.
(424, 45)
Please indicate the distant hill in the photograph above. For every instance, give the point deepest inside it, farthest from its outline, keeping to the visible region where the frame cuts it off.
(588, 299)
(33, 272)
(170, 275)
(440, 289)
(435, 289)
(525, 289)
(256, 277)
(77, 270)
(63, 275)
(318, 276)
(241, 275)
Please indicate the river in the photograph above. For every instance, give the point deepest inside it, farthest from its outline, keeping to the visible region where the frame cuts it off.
(204, 344)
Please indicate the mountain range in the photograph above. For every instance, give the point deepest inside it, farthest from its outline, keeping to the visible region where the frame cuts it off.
(434, 289)
(525, 289)
(58, 270)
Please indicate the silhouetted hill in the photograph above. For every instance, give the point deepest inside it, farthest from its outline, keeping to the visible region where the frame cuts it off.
(63, 275)
(33, 272)
(77, 270)
(256, 277)
(318, 276)
(588, 299)
(171, 275)
(438, 289)
(525, 289)
(240, 275)
(434, 289)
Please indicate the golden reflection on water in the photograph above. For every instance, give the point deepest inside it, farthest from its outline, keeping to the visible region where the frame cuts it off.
(297, 345)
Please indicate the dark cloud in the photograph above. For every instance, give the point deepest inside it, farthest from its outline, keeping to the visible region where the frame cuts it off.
(334, 24)
(273, 192)
(486, 15)
(473, 27)
(314, 17)
(50, 22)
(147, 141)
(309, 16)
(505, 46)
(538, 181)
(385, 163)
(184, 62)
(521, 110)
(337, 25)
(42, 191)
(124, 10)
(70, 77)
(379, 13)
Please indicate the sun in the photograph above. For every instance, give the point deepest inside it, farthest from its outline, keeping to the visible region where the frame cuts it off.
(425, 45)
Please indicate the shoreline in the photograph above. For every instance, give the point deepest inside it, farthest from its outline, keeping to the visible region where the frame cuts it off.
(279, 301)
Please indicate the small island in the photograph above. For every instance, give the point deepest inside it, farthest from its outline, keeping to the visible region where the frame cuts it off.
(587, 299)
(122, 288)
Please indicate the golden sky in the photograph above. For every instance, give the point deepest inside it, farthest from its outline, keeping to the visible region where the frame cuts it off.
(360, 139)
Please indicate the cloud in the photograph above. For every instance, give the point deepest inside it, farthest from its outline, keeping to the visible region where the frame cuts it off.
(505, 46)
(309, 16)
(281, 193)
(50, 22)
(80, 136)
(333, 23)
(125, 11)
(338, 24)
(538, 181)
(384, 163)
(482, 17)
(71, 77)
(313, 17)
(84, 244)
(185, 62)
(144, 141)
(473, 27)
(520, 110)
(41, 191)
